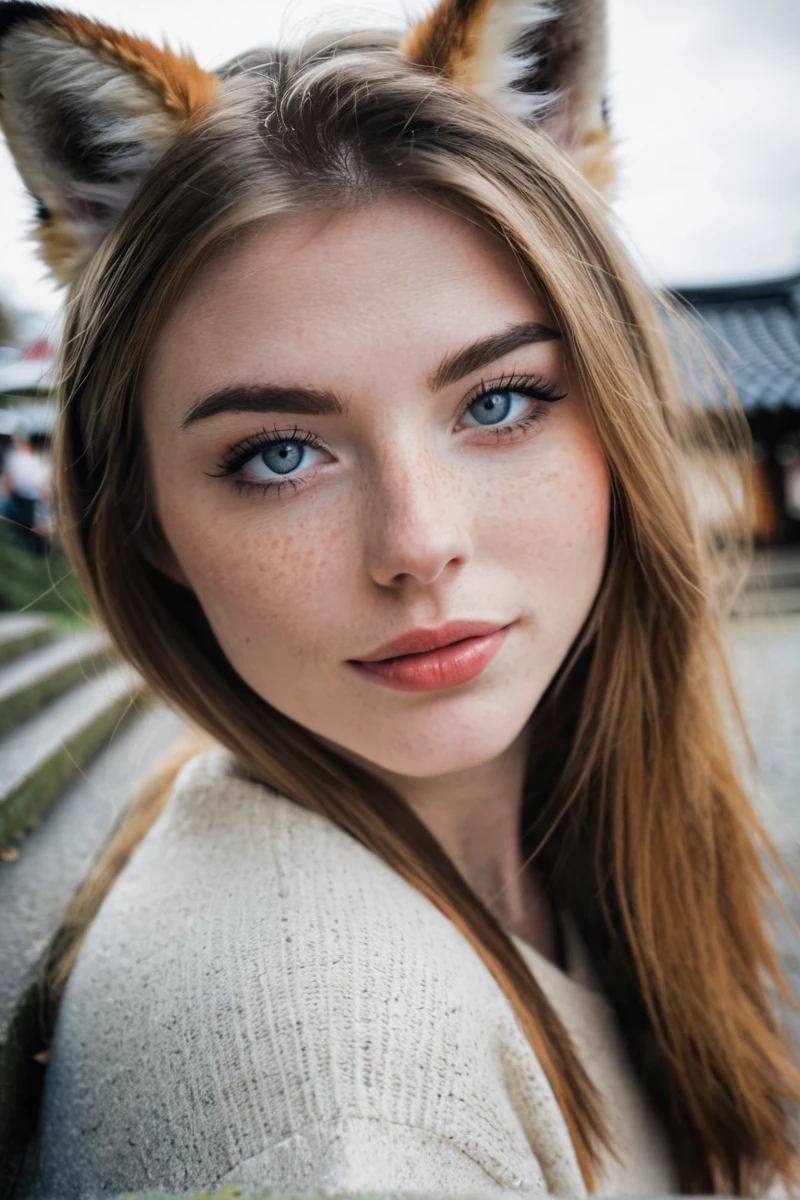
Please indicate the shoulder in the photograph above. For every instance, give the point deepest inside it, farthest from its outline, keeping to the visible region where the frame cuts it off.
(237, 886)
(226, 834)
(256, 971)
(222, 830)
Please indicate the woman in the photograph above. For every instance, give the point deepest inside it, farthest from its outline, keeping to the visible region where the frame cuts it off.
(460, 920)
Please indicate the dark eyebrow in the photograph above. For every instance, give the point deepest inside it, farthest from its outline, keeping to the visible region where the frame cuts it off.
(305, 401)
(486, 350)
(266, 397)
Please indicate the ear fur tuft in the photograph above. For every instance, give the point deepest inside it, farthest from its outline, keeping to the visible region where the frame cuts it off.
(542, 61)
(473, 42)
(86, 110)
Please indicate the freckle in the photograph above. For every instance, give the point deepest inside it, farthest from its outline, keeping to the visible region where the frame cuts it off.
(281, 551)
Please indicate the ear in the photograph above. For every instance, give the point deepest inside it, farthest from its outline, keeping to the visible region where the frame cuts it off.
(86, 110)
(541, 61)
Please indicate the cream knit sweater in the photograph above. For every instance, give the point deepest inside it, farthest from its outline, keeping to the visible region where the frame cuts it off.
(261, 1000)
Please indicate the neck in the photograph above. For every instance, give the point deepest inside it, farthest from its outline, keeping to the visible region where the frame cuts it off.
(475, 817)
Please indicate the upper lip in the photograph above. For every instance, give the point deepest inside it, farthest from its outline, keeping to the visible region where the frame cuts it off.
(417, 641)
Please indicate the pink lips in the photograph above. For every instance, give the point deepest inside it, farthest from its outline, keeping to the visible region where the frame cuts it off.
(428, 659)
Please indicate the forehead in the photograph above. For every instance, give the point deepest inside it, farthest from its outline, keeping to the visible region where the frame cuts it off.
(321, 298)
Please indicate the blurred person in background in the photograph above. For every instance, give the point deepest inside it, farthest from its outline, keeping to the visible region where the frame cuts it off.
(25, 483)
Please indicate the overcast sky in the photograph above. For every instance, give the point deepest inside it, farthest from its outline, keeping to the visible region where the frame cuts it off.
(705, 103)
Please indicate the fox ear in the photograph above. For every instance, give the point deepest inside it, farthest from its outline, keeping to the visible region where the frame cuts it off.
(543, 61)
(86, 110)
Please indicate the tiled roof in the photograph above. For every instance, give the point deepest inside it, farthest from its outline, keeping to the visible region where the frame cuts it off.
(754, 331)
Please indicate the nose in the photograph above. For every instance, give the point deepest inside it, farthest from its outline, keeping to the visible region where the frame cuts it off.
(417, 522)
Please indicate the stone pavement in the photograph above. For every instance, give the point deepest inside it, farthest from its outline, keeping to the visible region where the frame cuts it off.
(766, 662)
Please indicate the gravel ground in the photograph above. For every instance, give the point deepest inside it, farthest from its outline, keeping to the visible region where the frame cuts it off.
(766, 661)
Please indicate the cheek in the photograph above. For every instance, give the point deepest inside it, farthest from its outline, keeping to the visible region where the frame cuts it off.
(557, 526)
(267, 585)
(574, 509)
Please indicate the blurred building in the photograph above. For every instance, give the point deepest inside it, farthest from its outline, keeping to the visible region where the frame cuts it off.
(754, 331)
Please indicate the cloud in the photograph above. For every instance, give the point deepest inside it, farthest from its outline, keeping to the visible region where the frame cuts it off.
(704, 97)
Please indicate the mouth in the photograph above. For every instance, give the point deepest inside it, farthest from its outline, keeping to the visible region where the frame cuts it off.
(442, 666)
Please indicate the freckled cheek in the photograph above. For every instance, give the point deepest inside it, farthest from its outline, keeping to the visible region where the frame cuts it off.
(265, 586)
(556, 514)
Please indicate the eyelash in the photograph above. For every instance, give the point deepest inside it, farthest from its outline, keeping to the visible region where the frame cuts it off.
(237, 456)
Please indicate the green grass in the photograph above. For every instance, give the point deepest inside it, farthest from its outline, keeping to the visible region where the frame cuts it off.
(40, 583)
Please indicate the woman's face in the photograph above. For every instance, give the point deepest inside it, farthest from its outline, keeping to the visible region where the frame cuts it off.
(335, 467)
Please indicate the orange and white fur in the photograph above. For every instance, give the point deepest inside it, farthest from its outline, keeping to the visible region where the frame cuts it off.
(87, 109)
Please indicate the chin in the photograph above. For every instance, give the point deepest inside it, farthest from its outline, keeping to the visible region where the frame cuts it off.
(445, 745)
(451, 761)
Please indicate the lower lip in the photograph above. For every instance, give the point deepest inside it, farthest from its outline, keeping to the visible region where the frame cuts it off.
(443, 668)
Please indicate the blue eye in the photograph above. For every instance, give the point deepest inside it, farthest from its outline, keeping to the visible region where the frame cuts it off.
(279, 458)
(282, 457)
(269, 458)
(493, 407)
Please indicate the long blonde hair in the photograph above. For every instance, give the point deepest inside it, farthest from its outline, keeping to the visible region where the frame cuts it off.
(633, 805)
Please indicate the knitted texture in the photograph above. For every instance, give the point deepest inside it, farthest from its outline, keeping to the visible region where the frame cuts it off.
(262, 1001)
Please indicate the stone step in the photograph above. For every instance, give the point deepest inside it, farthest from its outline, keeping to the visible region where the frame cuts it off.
(777, 567)
(767, 601)
(29, 683)
(36, 890)
(22, 632)
(39, 758)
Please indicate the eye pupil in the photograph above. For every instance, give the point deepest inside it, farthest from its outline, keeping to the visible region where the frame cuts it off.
(494, 404)
(282, 457)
